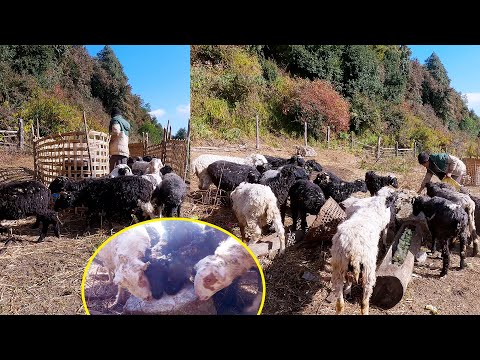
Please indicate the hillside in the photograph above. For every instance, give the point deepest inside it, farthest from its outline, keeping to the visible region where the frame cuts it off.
(370, 90)
(56, 83)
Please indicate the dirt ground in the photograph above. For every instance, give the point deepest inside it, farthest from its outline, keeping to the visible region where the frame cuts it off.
(299, 281)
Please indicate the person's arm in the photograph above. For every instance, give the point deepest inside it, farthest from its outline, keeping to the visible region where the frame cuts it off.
(451, 164)
(115, 129)
(427, 178)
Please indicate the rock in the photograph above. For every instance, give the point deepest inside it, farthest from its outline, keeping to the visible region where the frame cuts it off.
(184, 302)
(259, 249)
(420, 257)
(309, 276)
(306, 151)
(433, 310)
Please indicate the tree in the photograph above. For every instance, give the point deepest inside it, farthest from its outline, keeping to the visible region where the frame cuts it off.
(438, 71)
(395, 75)
(181, 134)
(317, 103)
(154, 130)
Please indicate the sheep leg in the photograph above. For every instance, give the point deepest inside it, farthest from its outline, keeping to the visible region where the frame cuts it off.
(178, 210)
(367, 292)
(303, 216)
(337, 284)
(475, 247)
(446, 258)
(242, 231)
(463, 249)
(283, 210)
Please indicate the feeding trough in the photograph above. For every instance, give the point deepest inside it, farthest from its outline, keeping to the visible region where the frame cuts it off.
(395, 271)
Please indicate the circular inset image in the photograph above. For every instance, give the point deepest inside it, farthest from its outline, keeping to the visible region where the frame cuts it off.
(173, 266)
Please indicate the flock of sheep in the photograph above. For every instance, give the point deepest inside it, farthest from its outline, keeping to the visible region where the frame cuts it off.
(260, 187)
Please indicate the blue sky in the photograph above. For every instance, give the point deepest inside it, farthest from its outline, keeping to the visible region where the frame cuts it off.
(462, 63)
(160, 75)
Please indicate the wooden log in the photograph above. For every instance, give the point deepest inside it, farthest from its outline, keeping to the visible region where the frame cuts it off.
(393, 277)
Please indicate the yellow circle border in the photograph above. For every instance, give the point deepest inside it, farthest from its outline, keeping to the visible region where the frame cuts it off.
(87, 267)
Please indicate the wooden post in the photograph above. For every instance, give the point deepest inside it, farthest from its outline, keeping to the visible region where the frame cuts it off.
(88, 146)
(187, 157)
(33, 131)
(38, 129)
(35, 166)
(414, 149)
(396, 148)
(351, 140)
(305, 134)
(378, 147)
(258, 145)
(21, 138)
(328, 137)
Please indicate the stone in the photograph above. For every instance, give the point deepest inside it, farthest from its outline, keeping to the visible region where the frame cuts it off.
(185, 302)
(306, 151)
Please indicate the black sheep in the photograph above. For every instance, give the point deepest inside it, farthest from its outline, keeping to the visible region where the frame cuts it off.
(446, 220)
(147, 158)
(116, 198)
(166, 170)
(282, 183)
(305, 197)
(338, 191)
(21, 199)
(227, 175)
(186, 246)
(276, 162)
(476, 200)
(312, 165)
(169, 195)
(376, 182)
(63, 183)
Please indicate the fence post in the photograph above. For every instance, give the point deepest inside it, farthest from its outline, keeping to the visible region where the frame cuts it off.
(378, 147)
(187, 156)
(396, 148)
(351, 140)
(38, 128)
(414, 149)
(21, 138)
(305, 134)
(258, 146)
(328, 137)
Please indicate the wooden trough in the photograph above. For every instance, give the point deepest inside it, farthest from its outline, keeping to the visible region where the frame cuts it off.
(395, 271)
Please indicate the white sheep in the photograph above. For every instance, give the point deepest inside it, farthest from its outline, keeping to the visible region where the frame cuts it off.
(154, 166)
(122, 258)
(201, 163)
(216, 272)
(355, 244)
(255, 206)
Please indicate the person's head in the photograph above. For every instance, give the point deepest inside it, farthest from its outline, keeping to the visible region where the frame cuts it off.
(423, 158)
(116, 111)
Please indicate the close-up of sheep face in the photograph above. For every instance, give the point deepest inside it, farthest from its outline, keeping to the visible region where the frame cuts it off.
(173, 266)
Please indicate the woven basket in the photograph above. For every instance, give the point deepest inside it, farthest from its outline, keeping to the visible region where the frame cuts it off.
(325, 225)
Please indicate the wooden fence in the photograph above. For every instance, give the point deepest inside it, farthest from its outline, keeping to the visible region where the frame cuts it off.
(379, 151)
(13, 138)
(71, 154)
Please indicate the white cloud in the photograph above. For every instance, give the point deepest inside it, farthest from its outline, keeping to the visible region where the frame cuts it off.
(158, 113)
(183, 109)
(474, 102)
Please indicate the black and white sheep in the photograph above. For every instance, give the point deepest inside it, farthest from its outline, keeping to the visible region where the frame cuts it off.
(376, 182)
(282, 183)
(355, 247)
(446, 221)
(167, 198)
(171, 264)
(255, 206)
(227, 175)
(305, 197)
(201, 163)
(447, 192)
(338, 191)
(21, 199)
(114, 197)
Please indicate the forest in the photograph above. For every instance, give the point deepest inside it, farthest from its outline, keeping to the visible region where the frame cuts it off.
(367, 90)
(55, 84)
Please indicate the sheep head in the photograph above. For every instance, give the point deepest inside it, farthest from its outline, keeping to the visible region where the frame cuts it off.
(210, 277)
(130, 274)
